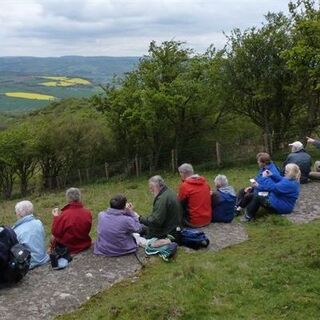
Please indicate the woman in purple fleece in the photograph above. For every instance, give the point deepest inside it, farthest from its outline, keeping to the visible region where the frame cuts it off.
(115, 228)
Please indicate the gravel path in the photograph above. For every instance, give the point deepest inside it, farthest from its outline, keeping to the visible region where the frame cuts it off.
(308, 204)
(45, 293)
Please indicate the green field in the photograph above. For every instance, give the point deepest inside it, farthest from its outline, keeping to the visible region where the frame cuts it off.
(32, 85)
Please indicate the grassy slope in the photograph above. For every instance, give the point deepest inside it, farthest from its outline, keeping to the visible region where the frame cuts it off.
(274, 275)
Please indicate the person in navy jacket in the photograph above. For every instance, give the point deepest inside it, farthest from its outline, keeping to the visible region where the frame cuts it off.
(283, 192)
(223, 200)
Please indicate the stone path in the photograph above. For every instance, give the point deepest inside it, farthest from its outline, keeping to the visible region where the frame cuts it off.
(308, 204)
(45, 293)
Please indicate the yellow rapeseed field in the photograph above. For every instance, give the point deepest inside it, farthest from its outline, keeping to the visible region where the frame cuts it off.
(64, 82)
(29, 95)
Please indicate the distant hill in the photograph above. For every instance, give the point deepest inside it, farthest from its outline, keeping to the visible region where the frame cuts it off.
(26, 76)
(98, 69)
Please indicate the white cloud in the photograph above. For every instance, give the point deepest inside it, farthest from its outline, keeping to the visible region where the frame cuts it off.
(121, 27)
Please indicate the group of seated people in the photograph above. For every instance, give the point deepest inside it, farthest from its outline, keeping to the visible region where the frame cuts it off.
(195, 205)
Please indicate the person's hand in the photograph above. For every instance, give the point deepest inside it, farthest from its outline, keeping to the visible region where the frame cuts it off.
(266, 173)
(310, 140)
(254, 184)
(247, 189)
(129, 207)
(135, 214)
(56, 212)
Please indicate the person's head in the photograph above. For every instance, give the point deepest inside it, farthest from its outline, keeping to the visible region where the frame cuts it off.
(156, 183)
(220, 181)
(296, 146)
(185, 170)
(292, 171)
(24, 208)
(73, 194)
(263, 159)
(118, 202)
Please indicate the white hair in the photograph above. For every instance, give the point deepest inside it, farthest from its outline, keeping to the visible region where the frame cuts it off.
(186, 168)
(157, 180)
(221, 180)
(292, 171)
(24, 208)
(73, 194)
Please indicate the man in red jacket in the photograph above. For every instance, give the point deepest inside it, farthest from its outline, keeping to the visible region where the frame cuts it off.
(194, 195)
(71, 226)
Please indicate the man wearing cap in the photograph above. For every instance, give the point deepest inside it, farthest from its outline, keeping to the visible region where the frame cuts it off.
(301, 158)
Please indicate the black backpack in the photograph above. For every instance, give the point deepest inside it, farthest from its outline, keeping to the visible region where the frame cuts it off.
(14, 257)
(19, 261)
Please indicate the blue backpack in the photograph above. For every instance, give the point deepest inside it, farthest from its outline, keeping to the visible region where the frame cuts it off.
(194, 238)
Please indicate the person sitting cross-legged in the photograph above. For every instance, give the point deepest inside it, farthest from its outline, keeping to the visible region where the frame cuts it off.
(115, 228)
(223, 200)
(282, 192)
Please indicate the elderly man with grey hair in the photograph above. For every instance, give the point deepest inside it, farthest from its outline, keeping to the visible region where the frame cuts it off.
(30, 232)
(194, 196)
(71, 226)
(166, 212)
(301, 158)
(223, 200)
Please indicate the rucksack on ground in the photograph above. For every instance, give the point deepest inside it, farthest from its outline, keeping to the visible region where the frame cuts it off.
(194, 238)
(14, 257)
(19, 261)
(165, 251)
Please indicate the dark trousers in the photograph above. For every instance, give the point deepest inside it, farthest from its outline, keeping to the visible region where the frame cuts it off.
(244, 198)
(257, 202)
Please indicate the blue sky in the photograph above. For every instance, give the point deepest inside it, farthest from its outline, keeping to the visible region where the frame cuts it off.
(122, 27)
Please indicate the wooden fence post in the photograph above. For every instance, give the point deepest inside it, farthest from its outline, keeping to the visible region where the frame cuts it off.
(218, 154)
(136, 164)
(106, 168)
(79, 174)
(173, 162)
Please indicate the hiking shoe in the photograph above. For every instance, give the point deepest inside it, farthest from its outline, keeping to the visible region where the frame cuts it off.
(237, 211)
(246, 218)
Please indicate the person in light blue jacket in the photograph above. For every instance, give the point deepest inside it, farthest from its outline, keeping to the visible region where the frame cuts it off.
(30, 232)
(276, 194)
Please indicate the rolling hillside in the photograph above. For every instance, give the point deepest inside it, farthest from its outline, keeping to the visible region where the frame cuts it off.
(28, 76)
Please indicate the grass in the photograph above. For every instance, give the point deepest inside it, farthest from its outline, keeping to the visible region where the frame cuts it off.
(29, 95)
(274, 275)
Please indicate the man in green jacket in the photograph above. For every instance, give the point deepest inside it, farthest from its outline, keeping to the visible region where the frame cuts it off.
(166, 212)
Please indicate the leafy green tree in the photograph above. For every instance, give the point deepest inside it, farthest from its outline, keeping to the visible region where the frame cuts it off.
(162, 104)
(18, 154)
(303, 59)
(258, 77)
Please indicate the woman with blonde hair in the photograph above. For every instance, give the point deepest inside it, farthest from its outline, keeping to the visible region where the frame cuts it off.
(276, 194)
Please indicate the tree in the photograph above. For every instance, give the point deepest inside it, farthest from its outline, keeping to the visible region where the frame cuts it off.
(303, 59)
(161, 105)
(258, 77)
(18, 155)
